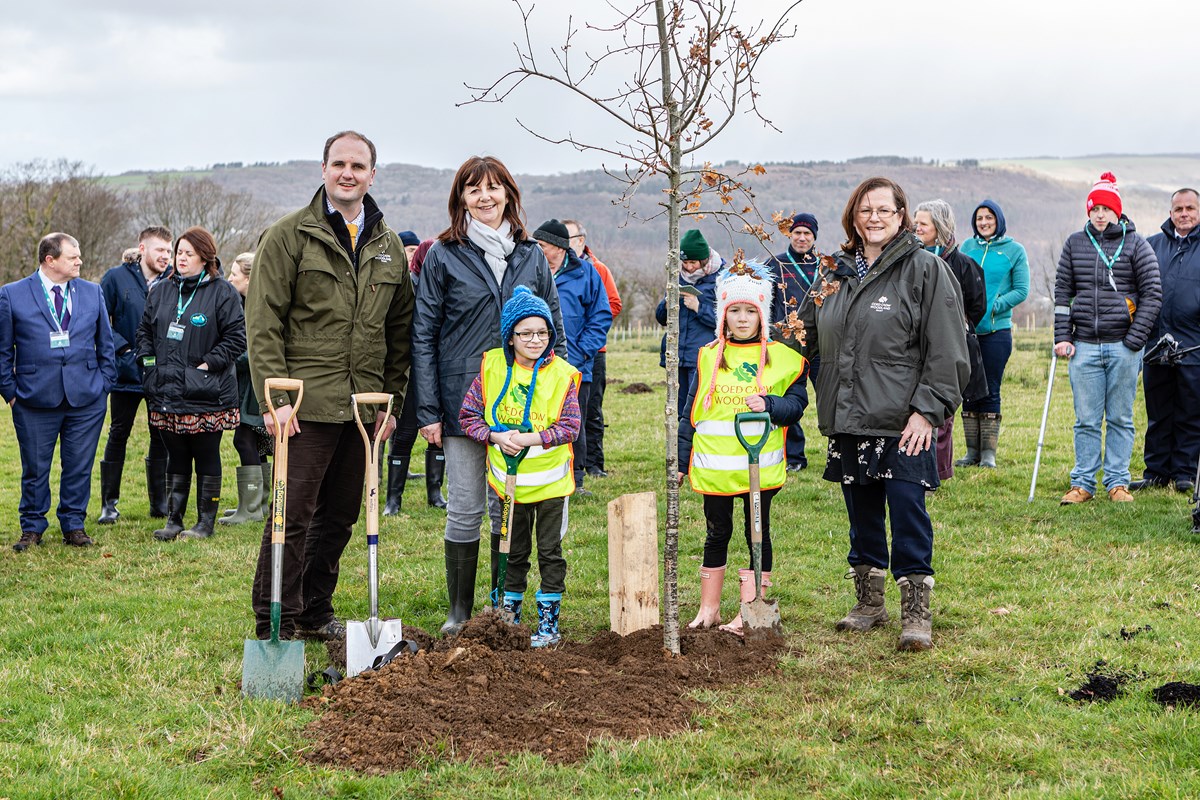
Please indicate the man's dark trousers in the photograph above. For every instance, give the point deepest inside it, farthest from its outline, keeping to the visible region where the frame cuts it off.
(38, 431)
(324, 495)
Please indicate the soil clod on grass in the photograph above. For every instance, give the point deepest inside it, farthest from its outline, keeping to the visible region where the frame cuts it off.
(484, 695)
(1102, 684)
(1177, 693)
(636, 388)
(1131, 633)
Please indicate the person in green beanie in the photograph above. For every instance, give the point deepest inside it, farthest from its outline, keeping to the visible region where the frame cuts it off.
(697, 307)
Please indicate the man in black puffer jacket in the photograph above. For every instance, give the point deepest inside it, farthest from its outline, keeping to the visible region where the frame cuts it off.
(1107, 296)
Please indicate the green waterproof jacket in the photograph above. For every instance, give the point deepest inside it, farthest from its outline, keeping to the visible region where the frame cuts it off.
(311, 315)
(890, 344)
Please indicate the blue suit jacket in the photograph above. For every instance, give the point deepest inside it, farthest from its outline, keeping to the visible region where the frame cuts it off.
(43, 377)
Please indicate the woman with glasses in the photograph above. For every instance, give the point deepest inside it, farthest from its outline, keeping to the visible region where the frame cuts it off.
(889, 322)
(934, 226)
(466, 278)
(1006, 277)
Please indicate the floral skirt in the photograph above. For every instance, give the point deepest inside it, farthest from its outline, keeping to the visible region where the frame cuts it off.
(226, 419)
(865, 459)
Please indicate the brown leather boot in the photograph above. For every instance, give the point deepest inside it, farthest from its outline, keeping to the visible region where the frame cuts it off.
(916, 622)
(869, 611)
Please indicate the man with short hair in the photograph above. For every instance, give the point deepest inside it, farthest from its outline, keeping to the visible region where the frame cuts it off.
(56, 369)
(1172, 384)
(796, 269)
(330, 303)
(594, 422)
(125, 287)
(586, 319)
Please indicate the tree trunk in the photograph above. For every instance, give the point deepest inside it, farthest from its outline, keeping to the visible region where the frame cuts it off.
(671, 412)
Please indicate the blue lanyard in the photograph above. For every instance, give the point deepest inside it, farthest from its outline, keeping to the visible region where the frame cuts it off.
(181, 306)
(54, 315)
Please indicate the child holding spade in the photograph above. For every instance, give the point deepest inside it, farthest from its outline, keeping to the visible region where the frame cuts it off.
(526, 397)
(742, 370)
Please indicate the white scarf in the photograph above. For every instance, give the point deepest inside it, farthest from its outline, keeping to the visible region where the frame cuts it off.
(496, 243)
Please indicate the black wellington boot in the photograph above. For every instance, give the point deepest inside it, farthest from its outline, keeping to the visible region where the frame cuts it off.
(156, 486)
(435, 473)
(110, 491)
(179, 487)
(208, 499)
(462, 559)
(396, 478)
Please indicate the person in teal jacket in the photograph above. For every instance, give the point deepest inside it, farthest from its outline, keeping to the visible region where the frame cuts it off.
(1006, 279)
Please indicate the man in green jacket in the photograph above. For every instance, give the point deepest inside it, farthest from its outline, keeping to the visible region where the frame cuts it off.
(330, 303)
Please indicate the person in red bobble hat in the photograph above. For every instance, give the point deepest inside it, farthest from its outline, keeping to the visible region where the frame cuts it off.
(1107, 295)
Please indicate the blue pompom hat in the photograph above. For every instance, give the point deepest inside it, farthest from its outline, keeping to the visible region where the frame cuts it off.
(522, 305)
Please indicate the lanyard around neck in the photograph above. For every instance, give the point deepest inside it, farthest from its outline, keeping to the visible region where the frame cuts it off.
(808, 282)
(1108, 262)
(66, 293)
(181, 306)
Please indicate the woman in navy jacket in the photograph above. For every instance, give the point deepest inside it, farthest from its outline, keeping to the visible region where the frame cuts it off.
(191, 335)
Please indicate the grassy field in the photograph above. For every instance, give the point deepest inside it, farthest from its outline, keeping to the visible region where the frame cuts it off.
(119, 664)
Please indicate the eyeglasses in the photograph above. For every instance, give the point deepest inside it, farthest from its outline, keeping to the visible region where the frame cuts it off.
(882, 213)
(579, 236)
(529, 336)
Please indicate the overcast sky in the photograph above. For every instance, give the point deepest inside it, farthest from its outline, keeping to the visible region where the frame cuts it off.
(141, 84)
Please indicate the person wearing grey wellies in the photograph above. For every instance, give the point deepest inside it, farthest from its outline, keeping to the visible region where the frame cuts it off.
(465, 279)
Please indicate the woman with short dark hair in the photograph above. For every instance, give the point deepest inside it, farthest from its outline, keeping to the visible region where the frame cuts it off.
(889, 321)
(1006, 276)
(466, 278)
(190, 337)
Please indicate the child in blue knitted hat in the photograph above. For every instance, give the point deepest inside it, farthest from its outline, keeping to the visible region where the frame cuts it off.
(526, 397)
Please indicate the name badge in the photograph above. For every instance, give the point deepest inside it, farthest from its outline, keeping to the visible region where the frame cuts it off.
(59, 339)
(175, 331)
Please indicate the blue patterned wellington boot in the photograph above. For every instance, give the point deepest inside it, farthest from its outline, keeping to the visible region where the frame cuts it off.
(510, 608)
(547, 629)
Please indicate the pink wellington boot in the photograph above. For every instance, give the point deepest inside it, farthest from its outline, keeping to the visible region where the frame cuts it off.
(711, 581)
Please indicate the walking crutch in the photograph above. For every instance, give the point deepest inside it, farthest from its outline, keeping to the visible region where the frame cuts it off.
(1042, 433)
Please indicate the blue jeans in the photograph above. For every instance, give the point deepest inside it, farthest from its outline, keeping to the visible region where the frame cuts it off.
(1104, 382)
(995, 348)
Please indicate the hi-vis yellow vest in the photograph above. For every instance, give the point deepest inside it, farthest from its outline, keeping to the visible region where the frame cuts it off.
(719, 462)
(545, 473)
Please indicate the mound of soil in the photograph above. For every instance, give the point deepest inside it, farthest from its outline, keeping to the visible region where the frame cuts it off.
(636, 388)
(1102, 684)
(485, 695)
(1177, 693)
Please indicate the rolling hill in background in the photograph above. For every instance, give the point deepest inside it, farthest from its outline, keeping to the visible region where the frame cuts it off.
(1043, 200)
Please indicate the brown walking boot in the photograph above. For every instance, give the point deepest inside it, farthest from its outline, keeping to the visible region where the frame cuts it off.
(916, 623)
(869, 611)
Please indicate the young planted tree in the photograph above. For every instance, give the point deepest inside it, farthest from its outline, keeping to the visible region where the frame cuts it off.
(673, 75)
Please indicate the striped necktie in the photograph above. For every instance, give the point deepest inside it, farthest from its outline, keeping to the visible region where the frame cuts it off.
(65, 317)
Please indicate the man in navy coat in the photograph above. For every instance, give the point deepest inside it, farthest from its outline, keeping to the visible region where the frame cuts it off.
(57, 367)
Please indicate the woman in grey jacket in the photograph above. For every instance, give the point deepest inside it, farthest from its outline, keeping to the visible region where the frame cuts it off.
(465, 280)
(1107, 295)
(888, 325)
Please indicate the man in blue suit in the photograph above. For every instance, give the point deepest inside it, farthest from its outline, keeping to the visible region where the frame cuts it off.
(57, 367)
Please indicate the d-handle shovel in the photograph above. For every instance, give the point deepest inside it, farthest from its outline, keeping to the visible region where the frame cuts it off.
(270, 668)
(1037, 461)
(510, 494)
(365, 641)
(760, 617)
